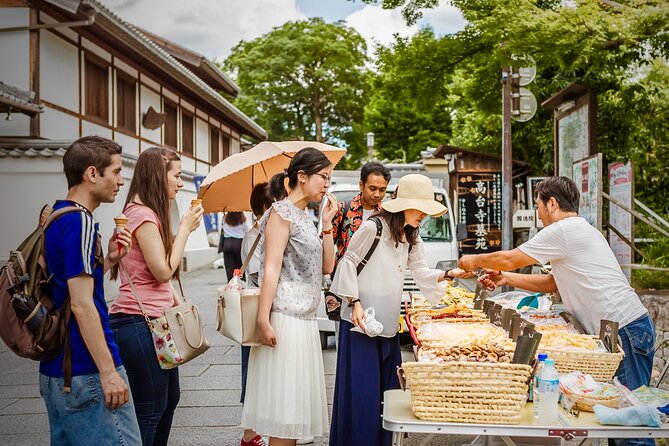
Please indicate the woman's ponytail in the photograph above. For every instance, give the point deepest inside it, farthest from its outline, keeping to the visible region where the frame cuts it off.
(277, 189)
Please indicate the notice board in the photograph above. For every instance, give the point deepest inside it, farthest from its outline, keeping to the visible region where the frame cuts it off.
(587, 174)
(480, 209)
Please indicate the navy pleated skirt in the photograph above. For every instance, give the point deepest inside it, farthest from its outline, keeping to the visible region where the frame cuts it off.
(366, 367)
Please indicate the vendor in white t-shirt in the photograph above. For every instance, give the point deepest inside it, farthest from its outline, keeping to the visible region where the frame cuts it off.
(585, 272)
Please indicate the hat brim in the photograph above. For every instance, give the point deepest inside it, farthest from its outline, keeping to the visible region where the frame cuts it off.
(429, 207)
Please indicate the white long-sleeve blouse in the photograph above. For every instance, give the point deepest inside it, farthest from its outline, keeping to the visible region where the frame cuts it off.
(380, 283)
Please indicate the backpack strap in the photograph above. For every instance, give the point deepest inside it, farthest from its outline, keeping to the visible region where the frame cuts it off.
(47, 217)
(375, 243)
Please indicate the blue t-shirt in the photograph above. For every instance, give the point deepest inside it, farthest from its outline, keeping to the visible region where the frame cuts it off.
(70, 245)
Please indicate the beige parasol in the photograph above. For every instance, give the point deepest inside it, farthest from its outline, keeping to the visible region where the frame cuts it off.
(228, 186)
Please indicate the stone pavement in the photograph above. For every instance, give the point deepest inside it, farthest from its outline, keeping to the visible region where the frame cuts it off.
(209, 410)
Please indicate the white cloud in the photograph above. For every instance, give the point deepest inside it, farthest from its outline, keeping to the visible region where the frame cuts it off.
(211, 28)
(444, 19)
(379, 26)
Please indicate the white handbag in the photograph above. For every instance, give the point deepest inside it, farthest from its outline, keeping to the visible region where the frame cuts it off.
(237, 312)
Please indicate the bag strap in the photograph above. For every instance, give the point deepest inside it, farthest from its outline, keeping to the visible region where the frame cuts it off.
(375, 243)
(249, 255)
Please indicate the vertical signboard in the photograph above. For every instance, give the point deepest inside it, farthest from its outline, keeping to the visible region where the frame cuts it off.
(572, 139)
(480, 209)
(210, 220)
(621, 189)
(531, 186)
(587, 174)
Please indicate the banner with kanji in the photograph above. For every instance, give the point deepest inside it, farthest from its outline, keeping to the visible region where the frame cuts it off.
(480, 208)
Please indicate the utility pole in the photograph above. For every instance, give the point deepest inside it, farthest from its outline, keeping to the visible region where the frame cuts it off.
(507, 161)
(370, 146)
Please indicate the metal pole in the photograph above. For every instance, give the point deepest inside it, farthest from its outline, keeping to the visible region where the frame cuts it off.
(507, 162)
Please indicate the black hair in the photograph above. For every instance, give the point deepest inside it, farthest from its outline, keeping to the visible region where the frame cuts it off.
(374, 168)
(260, 199)
(308, 160)
(563, 189)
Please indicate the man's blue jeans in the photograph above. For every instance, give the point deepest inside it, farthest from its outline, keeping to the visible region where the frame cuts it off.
(638, 341)
(81, 417)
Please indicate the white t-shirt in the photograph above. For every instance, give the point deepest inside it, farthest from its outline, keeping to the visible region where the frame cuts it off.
(254, 264)
(366, 214)
(236, 231)
(587, 274)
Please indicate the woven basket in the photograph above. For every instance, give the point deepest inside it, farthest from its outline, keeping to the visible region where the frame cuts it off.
(450, 320)
(601, 366)
(467, 392)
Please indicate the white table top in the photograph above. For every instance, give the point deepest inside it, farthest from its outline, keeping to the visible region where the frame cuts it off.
(398, 417)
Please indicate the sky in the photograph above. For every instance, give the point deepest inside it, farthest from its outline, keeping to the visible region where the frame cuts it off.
(213, 27)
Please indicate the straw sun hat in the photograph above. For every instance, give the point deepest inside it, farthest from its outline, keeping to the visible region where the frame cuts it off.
(414, 191)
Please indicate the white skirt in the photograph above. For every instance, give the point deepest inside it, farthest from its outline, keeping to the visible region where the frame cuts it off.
(285, 385)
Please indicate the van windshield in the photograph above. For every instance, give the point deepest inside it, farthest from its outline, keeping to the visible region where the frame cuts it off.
(433, 229)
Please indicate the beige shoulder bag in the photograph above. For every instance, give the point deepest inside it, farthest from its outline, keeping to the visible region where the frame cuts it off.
(237, 312)
(178, 335)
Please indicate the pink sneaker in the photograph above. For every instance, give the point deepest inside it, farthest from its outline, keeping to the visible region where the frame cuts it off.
(255, 441)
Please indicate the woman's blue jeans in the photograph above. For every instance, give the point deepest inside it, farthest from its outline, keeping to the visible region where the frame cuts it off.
(155, 391)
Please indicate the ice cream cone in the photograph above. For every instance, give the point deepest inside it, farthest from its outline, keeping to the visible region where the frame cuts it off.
(120, 222)
(195, 202)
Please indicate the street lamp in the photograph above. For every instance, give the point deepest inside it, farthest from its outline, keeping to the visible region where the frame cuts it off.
(370, 145)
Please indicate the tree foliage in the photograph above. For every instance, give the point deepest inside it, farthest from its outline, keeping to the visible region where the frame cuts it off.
(303, 80)
(617, 48)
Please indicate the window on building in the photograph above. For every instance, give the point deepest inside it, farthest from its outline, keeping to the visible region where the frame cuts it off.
(126, 102)
(97, 88)
(170, 124)
(186, 132)
(215, 156)
(226, 146)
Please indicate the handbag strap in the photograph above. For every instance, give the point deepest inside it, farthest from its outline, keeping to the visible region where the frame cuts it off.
(134, 292)
(375, 243)
(249, 255)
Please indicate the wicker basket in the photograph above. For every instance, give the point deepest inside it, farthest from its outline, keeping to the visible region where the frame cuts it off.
(585, 403)
(467, 392)
(601, 366)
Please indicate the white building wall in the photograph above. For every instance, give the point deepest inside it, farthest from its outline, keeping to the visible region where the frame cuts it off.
(59, 73)
(130, 145)
(15, 48)
(188, 163)
(201, 140)
(88, 129)
(149, 98)
(234, 146)
(55, 124)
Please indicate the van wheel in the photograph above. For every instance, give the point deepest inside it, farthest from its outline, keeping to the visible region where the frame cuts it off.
(324, 339)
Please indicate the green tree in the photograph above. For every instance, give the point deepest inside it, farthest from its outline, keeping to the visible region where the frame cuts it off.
(303, 80)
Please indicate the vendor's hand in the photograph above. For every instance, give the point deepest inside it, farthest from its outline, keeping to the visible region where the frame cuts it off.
(358, 316)
(191, 219)
(121, 238)
(460, 273)
(267, 336)
(468, 263)
(330, 207)
(493, 278)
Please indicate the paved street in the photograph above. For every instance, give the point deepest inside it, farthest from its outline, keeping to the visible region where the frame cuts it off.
(209, 410)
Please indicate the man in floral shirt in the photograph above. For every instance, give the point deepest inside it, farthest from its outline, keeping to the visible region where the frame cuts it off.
(374, 178)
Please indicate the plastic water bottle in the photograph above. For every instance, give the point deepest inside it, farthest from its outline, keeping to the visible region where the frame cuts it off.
(235, 284)
(548, 389)
(534, 397)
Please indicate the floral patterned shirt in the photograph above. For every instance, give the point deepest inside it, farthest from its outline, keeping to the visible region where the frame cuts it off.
(346, 225)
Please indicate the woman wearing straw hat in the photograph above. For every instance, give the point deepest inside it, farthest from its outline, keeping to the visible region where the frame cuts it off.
(369, 349)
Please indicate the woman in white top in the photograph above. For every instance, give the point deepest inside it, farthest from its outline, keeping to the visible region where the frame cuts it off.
(366, 365)
(285, 392)
(235, 225)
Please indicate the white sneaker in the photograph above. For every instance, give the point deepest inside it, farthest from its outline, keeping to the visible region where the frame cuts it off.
(306, 440)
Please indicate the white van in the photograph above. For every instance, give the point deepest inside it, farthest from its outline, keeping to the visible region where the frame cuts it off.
(438, 234)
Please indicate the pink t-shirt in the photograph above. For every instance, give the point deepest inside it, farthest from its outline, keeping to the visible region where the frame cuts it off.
(156, 296)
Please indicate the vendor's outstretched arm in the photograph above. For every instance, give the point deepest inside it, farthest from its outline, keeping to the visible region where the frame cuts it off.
(538, 283)
(500, 260)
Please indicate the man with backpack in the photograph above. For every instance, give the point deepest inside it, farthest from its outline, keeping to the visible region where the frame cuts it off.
(352, 213)
(85, 388)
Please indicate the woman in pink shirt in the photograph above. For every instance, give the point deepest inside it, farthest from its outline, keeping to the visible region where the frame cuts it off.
(151, 264)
